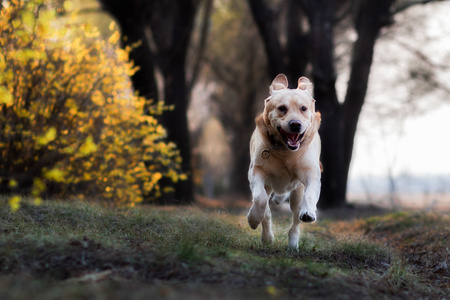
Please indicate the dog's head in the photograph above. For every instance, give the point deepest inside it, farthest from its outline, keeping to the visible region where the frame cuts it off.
(289, 113)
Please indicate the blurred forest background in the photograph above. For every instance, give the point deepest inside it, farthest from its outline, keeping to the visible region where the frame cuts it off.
(201, 71)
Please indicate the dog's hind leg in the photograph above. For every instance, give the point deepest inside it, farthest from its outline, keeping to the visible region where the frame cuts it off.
(267, 234)
(294, 201)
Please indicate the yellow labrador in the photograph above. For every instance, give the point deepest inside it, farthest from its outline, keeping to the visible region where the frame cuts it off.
(284, 152)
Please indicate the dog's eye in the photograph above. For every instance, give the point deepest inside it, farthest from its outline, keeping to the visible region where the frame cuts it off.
(304, 108)
(282, 108)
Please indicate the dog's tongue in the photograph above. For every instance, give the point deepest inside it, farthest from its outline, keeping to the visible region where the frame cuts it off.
(292, 139)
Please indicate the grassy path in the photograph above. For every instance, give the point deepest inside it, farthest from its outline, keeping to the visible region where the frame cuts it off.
(81, 251)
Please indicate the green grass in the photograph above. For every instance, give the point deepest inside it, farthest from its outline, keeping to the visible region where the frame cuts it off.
(61, 250)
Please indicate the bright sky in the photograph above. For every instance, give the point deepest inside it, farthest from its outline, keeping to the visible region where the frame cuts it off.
(423, 147)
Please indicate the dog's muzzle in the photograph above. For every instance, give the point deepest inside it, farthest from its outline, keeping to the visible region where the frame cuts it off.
(292, 139)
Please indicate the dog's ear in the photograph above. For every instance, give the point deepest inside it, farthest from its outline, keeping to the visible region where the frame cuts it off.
(280, 82)
(313, 105)
(305, 84)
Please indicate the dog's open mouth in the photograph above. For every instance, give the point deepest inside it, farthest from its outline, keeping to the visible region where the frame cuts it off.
(292, 139)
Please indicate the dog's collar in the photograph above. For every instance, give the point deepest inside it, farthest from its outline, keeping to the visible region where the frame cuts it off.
(274, 144)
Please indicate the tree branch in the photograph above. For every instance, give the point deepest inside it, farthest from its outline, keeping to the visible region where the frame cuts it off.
(202, 45)
(421, 56)
(266, 21)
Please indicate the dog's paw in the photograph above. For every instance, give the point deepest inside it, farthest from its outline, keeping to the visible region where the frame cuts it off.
(294, 234)
(307, 216)
(267, 238)
(254, 218)
(253, 223)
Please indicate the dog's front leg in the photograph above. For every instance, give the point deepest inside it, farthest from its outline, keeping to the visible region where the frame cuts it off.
(260, 200)
(294, 232)
(310, 197)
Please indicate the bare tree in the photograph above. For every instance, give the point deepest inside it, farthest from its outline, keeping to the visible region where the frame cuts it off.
(163, 31)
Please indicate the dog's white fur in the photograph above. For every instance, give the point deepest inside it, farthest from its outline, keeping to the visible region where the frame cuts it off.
(288, 168)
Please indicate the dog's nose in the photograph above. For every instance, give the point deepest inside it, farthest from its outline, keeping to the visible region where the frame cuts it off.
(295, 125)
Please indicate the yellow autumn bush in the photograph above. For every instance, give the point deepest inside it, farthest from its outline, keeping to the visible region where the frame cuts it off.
(69, 121)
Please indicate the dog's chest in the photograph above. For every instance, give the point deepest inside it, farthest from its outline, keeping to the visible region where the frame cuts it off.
(282, 177)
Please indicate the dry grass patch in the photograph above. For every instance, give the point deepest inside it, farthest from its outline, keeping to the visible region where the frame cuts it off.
(422, 240)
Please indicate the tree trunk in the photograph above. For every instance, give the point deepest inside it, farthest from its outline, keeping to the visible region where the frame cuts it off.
(133, 31)
(267, 23)
(297, 49)
(372, 16)
(292, 58)
(144, 81)
(176, 124)
(321, 14)
(171, 35)
(163, 46)
(240, 144)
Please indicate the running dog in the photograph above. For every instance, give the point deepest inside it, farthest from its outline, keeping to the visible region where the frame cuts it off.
(284, 153)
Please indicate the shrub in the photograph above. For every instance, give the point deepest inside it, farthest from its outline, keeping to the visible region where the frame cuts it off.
(69, 121)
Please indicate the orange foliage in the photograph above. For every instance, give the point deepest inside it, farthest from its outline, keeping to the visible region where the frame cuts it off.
(68, 116)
